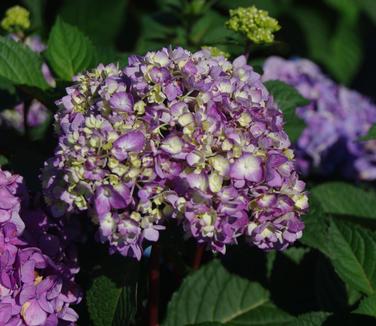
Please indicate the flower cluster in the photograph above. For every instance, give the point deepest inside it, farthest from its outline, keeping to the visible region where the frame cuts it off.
(254, 23)
(37, 262)
(16, 19)
(335, 119)
(176, 136)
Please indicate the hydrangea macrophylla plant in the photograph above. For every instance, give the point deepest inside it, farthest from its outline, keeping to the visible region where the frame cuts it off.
(181, 136)
(335, 118)
(37, 262)
(254, 23)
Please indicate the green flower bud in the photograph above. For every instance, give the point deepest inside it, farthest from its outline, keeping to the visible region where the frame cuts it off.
(255, 24)
(16, 19)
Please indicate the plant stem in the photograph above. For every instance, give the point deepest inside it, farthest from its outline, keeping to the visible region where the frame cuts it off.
(247, 49)
(198, 256)
(154, 286)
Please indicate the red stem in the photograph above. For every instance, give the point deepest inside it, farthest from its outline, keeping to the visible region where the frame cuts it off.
(198, 256)
(154, 286)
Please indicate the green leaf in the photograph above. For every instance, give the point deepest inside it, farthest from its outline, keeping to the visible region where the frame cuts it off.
(112, 298)
(340, 51)
(345, 55)
(296, 254)
(367, 306)
(316, 31)
(316, 318)
(345, 199)
(69, 50)
(100, 20)
(214, 295)
(352, 251)
(348, 8)
(36, 8)
(107, 55)
(316, 230)
(3, 160)
(20, 65)
(371, 133)
(288, 99)
(369, 8)
(210, 29)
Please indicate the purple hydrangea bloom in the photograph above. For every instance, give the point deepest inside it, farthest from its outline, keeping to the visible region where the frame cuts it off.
(180, 136)
(336, 117)
(37, 262)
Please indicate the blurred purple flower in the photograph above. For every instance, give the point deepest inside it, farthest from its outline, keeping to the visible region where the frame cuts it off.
(336, 118)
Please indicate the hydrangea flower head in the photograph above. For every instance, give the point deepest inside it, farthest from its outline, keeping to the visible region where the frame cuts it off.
(336, 118)
(37, 262)
(254, 23)
(176, 136)
(16, 19)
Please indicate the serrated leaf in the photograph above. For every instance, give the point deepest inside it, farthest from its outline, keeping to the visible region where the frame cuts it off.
(111, 299)
(20, 65)
(371, 134)
(316, 318)
(214, 295)
(288, 99)
(352, 251)
(100, 20)
(367, 306)
(69, 50)
(345, 199)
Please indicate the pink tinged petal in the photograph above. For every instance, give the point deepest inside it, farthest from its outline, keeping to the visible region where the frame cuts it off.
(247, 167)
(5, 312)
(39, 260)
(101, 201)
(7, 200)
(68, 314)
(27, 272)
(137, 252)
(28, 292)
(45, 285)
(33, 314)
(5, 215)
(55, 290)
(151, 234)
(45, 304)
(133, 141)
(52, 320)
(18, 222)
